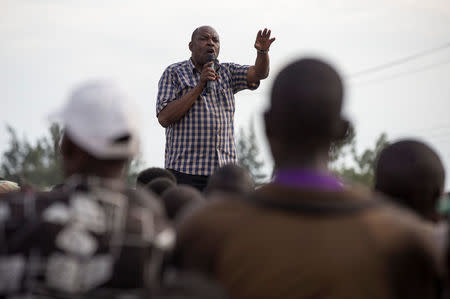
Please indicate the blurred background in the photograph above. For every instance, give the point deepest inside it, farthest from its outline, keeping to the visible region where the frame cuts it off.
(393, 54)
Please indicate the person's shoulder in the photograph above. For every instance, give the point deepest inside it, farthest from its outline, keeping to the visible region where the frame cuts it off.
(220, 203)
(177, 65)
(222, 212)
(391, 224)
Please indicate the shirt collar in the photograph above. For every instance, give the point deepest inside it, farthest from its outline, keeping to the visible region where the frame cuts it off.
(195, 70)
(308, 178)
(192, 66)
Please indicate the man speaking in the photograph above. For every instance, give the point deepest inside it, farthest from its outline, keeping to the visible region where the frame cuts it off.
(196, 105)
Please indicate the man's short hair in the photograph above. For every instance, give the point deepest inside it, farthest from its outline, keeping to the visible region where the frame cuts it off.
(230, 178)
(179, 197)
(412, 174)
(159, 185)
(306, 103)
(149, 174)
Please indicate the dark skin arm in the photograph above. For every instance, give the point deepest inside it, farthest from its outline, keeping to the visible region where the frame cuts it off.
(175, 110)
(261, 68)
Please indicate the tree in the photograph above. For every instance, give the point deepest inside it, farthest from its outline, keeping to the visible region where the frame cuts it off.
(362, 169)
(248, 153)
(40, 164)
(133, 168)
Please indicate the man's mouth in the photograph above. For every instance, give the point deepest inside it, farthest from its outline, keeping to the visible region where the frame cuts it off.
(210, 51)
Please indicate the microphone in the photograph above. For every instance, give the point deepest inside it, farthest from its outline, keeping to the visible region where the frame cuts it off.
(210, 84)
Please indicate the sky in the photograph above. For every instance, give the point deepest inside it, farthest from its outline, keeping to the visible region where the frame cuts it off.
(47, 47)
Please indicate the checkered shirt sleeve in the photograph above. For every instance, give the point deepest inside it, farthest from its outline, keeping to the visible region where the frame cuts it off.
(239, 77)
(168, 89)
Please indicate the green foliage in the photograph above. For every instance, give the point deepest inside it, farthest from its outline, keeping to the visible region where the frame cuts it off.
(133, 168)
(248, 153)
(362, 169)
(345, 161)
(40, 164)
(36, 164)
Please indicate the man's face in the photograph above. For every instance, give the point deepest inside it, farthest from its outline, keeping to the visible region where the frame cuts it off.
(205, 43)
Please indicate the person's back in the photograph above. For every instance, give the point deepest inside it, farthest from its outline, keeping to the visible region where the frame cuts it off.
(76, 240)
(286, 243)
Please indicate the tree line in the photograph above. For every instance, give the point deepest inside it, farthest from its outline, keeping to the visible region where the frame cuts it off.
(345, 160)
(38, 164)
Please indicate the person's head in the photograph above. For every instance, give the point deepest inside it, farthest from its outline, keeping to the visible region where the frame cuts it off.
(204, 45)
(305, 112)
(159, 185)
(179, 197)
(149, 174)
(412, 174)
(100, 130)
(230, 178)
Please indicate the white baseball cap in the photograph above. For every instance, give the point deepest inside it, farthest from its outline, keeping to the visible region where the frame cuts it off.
(101, 120)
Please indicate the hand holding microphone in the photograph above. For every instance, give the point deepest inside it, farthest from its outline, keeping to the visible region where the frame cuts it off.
(208, 74)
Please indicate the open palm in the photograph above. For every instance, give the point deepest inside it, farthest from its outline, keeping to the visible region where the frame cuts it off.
(263, 40)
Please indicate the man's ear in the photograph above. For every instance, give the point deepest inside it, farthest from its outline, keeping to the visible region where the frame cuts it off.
(341, 129)
(190, 46)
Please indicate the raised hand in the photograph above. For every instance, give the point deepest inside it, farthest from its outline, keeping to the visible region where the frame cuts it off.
(263, 40)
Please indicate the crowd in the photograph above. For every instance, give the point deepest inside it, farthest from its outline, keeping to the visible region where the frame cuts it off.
(304, 234)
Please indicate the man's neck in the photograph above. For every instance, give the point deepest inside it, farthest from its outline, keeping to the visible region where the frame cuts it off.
(317, 162)
(197, 65)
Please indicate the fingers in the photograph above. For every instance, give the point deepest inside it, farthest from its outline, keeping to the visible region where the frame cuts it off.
(208, 64)
(264, 33)
(258, 35)
(209, 74)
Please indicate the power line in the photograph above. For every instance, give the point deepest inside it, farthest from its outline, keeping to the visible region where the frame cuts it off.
(399, 61)
(401, 74)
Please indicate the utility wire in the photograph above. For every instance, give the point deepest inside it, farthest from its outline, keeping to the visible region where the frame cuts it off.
(401, 74)
(399, 61)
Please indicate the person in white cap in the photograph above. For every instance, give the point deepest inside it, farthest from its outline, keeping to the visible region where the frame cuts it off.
(8, 186)
(93, 236)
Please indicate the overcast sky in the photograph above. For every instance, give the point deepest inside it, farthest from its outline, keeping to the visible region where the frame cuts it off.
(49, 46)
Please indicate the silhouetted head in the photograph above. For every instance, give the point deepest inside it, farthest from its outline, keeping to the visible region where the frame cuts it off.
(177, 198)
(230, 178)
(159, 185)
(149, 174)
(305, 109)
(412, 174)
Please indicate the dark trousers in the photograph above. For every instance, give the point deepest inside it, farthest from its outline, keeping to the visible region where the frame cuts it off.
(197, 181)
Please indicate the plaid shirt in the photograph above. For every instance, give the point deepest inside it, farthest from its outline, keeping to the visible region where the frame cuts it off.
(203, 139)
(91, 235)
